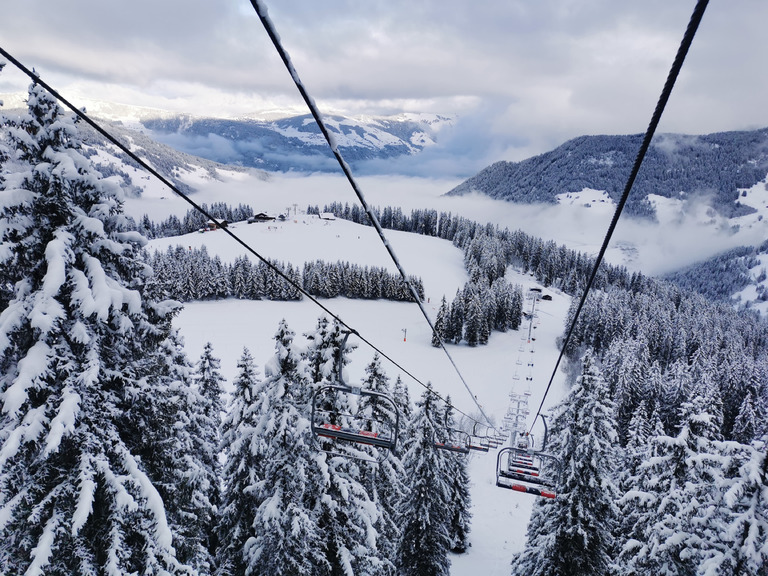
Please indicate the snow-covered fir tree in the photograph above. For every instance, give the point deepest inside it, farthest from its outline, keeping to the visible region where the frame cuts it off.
(242, 470)
(287, 539)
(743, 526)
(207, 430)
(170, 439)
(384, 481)
(457, 318)
(627, 362)
(442, 325)
(676, 495)
(573, 535)
(638, 450)
(474, 322)
(748, 421)
(426, 536)
(402, 398)
(76, 339)
(460, 500)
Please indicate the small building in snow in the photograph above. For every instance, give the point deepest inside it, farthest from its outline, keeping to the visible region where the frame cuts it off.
(260, 217)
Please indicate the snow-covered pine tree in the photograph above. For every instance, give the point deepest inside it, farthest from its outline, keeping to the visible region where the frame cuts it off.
(402, 399)
(746, 425)
(744, 528)
(6, 232)
(630, 362)
(474, 322)
(442, 325)
(460, 500)
(676, 495)
(317, 354)
(425, 539)
(573, 535)
(75, 496)
(637, 452)
(167, 412)
(286, 537)
(242, 470)
(676, 387)
(457, 318)
(207, 429)
(240, 278)
(736, 376)
(383, 481)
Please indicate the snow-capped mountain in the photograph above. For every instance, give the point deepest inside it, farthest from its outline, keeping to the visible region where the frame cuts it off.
(295, 143)
(275, 141)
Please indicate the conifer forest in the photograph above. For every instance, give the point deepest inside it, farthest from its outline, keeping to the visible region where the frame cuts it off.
(122, 455)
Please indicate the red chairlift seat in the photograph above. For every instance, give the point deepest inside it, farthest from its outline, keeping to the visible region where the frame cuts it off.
(520, 487)
(354, 434)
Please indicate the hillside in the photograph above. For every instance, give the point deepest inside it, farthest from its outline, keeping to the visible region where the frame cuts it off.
(737, 275)
(175, 165)
(499, 516)
(677, 166)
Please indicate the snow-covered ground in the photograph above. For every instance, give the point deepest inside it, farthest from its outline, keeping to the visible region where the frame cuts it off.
(598, 200)
(499, 516)
(684, 234)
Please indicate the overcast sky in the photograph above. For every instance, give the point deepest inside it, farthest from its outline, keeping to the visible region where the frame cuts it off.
(522, 75)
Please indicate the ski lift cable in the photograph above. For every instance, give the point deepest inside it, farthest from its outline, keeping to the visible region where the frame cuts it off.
(677, 64)
(112, 139)
(262, 12)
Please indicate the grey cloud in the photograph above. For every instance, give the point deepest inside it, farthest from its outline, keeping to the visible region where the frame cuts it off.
(540, 72)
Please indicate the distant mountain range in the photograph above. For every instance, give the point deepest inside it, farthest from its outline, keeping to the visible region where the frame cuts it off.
(296, 144)
(676, 166)
(679, 167)
(289, 143)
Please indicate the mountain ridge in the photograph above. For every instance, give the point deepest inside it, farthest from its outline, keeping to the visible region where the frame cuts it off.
(295, 143)
(715, 166)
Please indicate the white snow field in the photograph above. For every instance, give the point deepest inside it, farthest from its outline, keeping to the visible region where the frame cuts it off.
(499, 516)
(686, 232)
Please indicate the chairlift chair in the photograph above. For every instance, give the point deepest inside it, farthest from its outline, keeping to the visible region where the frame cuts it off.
(521, 468)
(451, 445)
(478, 444)
(513, 474)
(354, 428)
(477, 441)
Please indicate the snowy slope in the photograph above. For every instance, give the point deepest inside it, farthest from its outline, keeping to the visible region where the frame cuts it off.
(500, 516)
(738, 274)
(681, 237)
